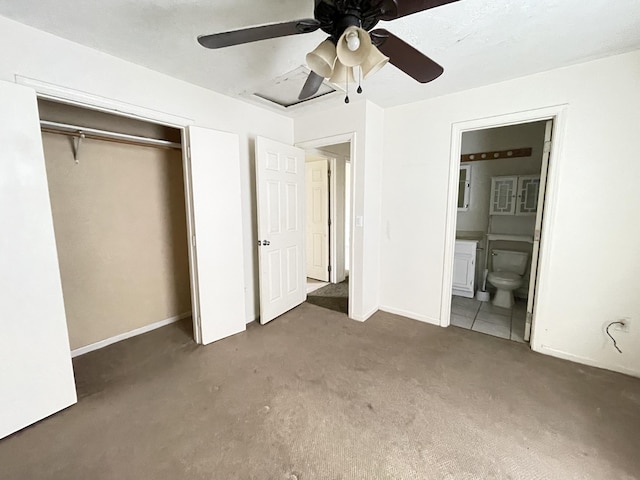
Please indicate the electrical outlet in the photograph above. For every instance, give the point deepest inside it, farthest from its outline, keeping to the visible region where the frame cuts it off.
(625, 327)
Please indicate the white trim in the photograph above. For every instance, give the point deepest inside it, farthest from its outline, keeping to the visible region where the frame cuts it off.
(129, 334)
(549, 214)
(192, 241)
(412, 315)
(558, 114)
(585, 360)
(365, 317)
(95, 102)
(318, 143)
(354, 280)
(333, 223)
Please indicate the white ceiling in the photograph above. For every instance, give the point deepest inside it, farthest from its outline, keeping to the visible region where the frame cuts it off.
(477, 41)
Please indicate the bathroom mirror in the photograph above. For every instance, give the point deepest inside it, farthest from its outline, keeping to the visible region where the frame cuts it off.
(464, 185)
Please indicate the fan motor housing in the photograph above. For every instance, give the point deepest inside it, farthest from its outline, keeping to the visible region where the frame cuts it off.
(337, 15)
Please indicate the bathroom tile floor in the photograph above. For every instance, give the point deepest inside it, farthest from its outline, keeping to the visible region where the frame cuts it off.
(483, 317)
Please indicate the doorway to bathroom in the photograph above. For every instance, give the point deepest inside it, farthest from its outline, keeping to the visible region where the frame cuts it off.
(498, 223)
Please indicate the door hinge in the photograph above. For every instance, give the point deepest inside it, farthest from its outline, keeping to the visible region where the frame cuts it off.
(193, 240)
(328, 173)
(536, 235)
(547, 147)
(329, 268)
(329, 222)
(189, 152)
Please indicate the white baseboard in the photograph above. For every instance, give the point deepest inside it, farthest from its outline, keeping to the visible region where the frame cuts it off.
(543, 349)
(124, 336)
(364, 317)
(411, 315)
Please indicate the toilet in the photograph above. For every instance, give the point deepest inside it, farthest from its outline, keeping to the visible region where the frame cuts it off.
(508, 268)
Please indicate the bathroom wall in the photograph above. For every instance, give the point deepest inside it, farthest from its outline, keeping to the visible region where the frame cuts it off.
(476, 218)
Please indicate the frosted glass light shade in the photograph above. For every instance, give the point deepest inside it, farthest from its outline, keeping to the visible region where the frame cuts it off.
(342, 73)
(352, 58)
(322, 59)
(374, 62)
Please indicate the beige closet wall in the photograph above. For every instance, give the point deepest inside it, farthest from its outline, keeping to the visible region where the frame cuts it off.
(120, 226)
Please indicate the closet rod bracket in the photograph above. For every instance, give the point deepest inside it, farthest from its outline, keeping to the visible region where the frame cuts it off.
(77, 141)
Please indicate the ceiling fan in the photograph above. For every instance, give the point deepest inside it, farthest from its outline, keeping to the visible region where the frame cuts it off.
(351, 42)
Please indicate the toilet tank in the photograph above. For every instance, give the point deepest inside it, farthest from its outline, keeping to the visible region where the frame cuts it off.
(510, 261)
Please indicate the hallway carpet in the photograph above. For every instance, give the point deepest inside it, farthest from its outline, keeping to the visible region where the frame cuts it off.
(334, 296)
(313, 395)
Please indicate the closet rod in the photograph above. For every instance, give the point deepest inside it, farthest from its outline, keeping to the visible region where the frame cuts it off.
(76, 131)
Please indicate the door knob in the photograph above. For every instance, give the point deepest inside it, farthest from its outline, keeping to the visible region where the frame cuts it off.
(266, 243)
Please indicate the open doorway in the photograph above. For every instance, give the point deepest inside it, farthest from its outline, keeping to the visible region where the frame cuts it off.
(499, 211)
(118, 204)
(328, 194)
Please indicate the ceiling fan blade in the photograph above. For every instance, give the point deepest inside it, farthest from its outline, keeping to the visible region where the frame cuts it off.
(401, 8)
(311, 86)
(254, 34)
(411, 61)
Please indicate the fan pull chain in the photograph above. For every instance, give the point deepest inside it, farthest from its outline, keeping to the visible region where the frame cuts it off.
(346, 97)
(359, 90)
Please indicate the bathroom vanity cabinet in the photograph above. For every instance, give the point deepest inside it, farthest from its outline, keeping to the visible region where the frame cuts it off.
(464, 268)
(514, 195)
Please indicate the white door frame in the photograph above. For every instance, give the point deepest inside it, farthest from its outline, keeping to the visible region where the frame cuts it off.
(319, 143)
(558, 114)
(77, 98)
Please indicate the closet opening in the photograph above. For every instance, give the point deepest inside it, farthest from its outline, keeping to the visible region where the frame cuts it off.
(117, 192)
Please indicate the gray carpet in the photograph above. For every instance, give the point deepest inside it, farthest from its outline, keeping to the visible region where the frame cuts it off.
(334, 296)
(313, 395)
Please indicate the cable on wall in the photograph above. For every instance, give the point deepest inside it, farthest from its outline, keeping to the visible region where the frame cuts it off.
(615, 344)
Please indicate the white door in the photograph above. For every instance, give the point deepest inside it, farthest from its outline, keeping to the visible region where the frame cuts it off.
(36, 375)
(533, 279)
(280, 183)
(217, 263)
(317, 214)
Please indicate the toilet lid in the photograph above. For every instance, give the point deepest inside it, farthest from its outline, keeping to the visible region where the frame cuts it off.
(504, 276)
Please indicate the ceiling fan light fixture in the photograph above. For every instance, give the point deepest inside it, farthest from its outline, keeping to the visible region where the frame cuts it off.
(346, 54)
(374, 62)
(323, 59)
(342, 74)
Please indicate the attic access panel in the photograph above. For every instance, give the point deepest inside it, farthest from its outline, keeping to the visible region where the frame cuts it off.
(284, 90)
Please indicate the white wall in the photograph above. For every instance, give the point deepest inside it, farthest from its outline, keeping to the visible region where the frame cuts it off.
(366, 121)
(31, 53)
(596, 214)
